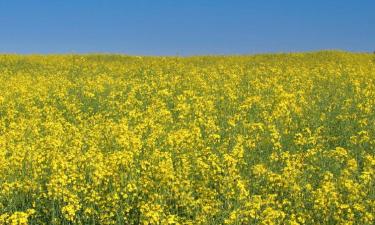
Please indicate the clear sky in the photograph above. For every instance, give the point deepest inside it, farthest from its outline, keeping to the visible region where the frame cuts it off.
(185, 27)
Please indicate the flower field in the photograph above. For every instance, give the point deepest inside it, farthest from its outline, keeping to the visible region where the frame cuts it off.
(262, 139)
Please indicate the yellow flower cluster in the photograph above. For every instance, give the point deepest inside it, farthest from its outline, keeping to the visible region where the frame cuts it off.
(263, 139)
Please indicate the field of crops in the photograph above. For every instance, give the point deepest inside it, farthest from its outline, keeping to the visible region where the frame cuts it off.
(263, 139)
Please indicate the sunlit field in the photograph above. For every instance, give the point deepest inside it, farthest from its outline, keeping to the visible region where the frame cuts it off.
(263, 139)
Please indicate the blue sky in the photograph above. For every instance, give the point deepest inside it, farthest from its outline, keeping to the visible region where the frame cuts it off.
(190, 27)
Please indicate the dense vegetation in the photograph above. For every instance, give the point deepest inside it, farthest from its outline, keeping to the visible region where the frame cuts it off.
(263, 139)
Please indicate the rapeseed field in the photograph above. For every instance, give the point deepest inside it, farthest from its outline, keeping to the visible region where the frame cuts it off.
(262, 139)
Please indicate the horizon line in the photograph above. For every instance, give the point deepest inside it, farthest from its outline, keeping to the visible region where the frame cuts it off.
(103, 53)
